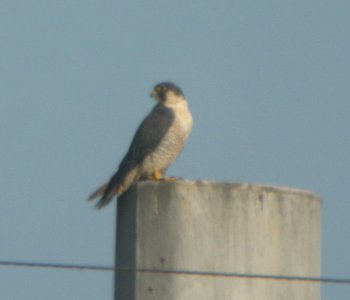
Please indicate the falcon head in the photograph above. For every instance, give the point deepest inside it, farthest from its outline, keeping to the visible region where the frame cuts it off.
(167, 92)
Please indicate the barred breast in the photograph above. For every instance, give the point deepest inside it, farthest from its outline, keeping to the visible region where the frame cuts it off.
(173, 142)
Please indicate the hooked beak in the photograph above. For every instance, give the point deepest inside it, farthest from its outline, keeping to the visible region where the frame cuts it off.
(153, 94)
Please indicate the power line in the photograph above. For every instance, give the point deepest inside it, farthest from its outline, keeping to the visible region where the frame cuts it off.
(178, 272)
(55, 266)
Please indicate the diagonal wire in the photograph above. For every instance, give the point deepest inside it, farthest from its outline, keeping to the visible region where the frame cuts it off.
(55, 266)
(178, 272)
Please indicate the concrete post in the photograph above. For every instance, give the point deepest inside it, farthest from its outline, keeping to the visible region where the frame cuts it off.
(217, 227)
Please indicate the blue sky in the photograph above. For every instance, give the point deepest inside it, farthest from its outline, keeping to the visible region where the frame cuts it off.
(267, 82)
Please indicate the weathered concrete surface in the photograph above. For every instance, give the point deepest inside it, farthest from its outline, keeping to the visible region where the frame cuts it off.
(221, 227)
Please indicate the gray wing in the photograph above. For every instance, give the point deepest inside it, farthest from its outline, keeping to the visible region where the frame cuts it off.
(146, 139)
(149, 134)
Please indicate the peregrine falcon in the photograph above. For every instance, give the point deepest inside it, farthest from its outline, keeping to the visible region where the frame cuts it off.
(156, 144)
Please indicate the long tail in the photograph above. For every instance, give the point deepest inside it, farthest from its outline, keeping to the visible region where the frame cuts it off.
(106, 192)
(98, 193)
(117, 185)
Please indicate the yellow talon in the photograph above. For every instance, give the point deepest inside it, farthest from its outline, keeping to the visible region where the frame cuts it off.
(158, 175)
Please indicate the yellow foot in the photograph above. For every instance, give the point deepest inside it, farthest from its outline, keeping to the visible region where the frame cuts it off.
(158, 175)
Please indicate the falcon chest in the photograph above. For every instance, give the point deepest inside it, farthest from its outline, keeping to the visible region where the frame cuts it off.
(183, 118)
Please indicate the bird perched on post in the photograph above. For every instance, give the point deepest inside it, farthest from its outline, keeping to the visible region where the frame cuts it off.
(157, 142)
